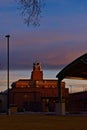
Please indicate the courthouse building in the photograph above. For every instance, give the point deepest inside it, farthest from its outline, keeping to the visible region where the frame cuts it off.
(36, 93)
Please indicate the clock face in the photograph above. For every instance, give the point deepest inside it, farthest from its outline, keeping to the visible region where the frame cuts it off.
(38, 63)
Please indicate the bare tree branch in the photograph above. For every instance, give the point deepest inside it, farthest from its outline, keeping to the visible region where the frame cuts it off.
(31, 11)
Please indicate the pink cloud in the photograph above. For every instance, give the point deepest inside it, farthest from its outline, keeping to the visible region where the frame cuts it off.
(47, 38)
(51, 49)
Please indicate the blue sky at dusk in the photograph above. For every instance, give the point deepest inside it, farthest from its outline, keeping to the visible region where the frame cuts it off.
(60, 38)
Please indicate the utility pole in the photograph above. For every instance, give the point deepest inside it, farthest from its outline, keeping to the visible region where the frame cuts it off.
(7, 36)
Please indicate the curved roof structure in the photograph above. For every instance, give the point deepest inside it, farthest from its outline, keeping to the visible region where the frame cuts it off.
(76, 69)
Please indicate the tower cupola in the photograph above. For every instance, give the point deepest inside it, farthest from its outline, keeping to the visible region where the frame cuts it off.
(37, 73)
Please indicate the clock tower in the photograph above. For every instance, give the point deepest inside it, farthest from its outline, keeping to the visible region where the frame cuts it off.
(37, 73)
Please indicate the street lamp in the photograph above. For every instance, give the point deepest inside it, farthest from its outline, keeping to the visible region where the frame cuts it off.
(7, 36)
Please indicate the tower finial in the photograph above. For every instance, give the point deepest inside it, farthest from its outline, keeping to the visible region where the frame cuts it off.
(36, 59)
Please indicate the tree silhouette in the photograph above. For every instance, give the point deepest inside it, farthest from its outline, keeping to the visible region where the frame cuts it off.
(31, 11)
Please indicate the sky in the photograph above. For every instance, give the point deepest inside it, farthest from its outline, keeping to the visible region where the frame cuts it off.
(60, 38)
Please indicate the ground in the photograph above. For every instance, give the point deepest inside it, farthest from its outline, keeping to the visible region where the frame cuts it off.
(42, 122)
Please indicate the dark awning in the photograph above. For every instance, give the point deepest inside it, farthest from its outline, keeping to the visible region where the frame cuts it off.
(76, 69)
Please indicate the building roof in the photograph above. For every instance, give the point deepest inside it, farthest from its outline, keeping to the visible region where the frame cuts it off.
(76, 69)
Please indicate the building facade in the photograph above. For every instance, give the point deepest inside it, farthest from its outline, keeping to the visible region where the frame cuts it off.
(77, 102)
(36, 93)
(3, 102)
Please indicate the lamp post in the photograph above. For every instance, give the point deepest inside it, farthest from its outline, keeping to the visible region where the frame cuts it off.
(7, 36)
